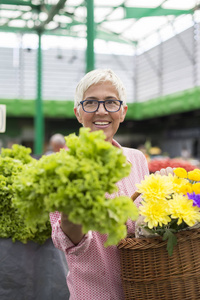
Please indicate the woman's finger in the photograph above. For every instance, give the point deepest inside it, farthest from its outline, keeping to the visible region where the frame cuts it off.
(166, 171)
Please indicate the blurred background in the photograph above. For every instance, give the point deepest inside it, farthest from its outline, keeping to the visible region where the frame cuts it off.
(46, 46)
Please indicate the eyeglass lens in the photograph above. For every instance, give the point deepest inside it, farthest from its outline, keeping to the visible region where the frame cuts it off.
(93, 105)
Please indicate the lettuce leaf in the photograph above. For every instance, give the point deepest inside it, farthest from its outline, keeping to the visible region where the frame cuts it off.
(12, 225)
(78, 182)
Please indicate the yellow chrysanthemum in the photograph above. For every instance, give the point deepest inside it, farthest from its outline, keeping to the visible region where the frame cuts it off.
(185, 188)
(196, 188)
(178, 183)
(180, 172)
(155, 213)
(155, 187)
(182, 208)
(194, 175)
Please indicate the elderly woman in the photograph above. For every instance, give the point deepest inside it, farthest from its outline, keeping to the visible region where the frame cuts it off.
(94, 271)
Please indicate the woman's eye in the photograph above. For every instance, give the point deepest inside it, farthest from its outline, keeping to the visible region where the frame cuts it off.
(90, 102)
(111, 102)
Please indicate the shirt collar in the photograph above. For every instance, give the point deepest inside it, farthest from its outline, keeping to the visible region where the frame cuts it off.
(116, 144)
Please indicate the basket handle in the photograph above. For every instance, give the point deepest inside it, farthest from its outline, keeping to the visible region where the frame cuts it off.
(135, 195)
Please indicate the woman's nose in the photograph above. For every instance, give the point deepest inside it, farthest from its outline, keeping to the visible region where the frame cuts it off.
(101, 109)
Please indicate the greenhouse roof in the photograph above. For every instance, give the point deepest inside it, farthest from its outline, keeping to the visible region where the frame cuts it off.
(129, 21)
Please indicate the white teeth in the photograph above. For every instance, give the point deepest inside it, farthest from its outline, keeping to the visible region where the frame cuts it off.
(101, 123)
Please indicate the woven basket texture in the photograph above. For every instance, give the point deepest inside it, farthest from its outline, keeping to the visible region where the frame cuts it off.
(149, 273)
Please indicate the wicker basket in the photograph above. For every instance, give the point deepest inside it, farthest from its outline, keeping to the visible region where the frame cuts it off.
(148, 273)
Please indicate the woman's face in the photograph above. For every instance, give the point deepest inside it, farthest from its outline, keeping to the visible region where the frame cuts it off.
(101, 119)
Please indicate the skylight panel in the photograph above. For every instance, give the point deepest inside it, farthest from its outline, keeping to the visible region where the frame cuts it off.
(78, 28)
(27, 15)
(108, 2)
(17, 23)
(117, 26)
(11, 14)
(145, 26)
(62, 19)
(116, 14)
(30, 23)
(74, 2)
(3, 21)
(80, 12)
(51, 25)
(144, 3)
(43, 16)
(101, 13)
(179, 4)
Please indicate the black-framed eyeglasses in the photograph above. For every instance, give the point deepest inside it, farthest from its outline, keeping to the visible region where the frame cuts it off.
(110, 105)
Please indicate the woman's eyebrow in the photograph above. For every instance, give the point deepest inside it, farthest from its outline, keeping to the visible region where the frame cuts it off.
(96, 98)
(111, 97)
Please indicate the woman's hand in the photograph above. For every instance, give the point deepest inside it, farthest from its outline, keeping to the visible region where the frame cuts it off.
(73, 231)
(162, 172)
(166, 171)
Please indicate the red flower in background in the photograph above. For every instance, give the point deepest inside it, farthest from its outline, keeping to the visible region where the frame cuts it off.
(157, 164)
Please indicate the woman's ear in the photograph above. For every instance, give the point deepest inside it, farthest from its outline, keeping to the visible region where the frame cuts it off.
(123, 114)
(78, 115)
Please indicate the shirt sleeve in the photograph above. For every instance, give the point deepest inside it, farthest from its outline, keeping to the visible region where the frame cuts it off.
(138, 172)
(144, 172)
(63, 242)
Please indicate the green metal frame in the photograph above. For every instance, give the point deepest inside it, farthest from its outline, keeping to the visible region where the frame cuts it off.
(27, 108)
(90, 36)
(39, 117)
(187, 100)
(141, 12)
(180, 102)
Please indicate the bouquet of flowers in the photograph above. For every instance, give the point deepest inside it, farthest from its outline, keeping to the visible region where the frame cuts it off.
(169, 204)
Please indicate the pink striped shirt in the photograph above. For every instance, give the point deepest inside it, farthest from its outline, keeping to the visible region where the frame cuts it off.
(94, 271)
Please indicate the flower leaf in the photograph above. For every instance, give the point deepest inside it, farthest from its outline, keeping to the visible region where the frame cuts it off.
(172, 241)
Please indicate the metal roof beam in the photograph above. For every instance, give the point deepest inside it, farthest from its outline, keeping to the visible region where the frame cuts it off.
(107, 35)
(53, 11)
(139, 12)
(18, 2)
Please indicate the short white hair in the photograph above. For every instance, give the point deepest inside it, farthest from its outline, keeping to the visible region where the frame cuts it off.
(96, 76)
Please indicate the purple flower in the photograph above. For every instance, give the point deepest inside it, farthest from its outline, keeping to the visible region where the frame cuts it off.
(195, 198)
